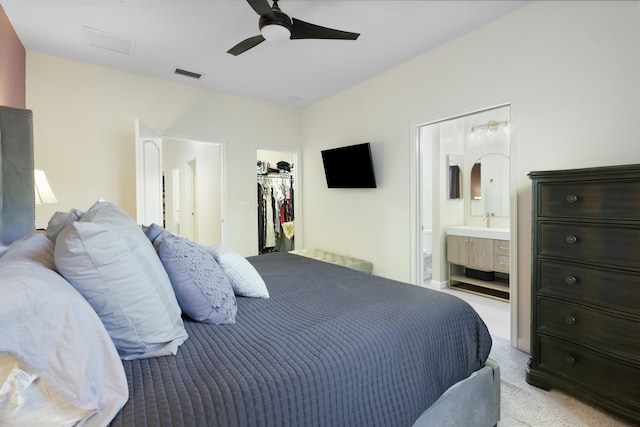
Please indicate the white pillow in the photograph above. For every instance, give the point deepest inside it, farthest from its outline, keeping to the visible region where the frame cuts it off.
(245, 280)
(60, 220)
(51, 333)
(109, 260)
(32, 247)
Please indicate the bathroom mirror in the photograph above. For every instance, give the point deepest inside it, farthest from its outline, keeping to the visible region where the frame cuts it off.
(475, 187)
(454, 178)
(489, 184)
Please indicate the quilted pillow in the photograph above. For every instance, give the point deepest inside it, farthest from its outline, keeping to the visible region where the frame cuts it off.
(108, 259)
(201, 286)
(245, 279)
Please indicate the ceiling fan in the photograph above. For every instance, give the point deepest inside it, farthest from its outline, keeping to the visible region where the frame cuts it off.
(275, 25)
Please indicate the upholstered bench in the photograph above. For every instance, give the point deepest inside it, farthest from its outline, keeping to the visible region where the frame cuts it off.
(333, 258)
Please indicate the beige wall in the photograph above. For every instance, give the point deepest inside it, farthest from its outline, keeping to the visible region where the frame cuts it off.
(570, 72)
(84, 135)
(12, 65)
(568, 69)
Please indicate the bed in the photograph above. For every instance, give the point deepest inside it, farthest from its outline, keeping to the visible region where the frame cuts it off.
(322, 345)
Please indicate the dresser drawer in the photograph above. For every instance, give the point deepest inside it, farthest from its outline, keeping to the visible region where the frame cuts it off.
(593, 327)
(590, 369)
(616, 245)
(610, 199)
(613, 289)
(585, 336)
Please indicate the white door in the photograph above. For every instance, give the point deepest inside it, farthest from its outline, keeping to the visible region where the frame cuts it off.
(190, 221)
(174, 224)
(149, 182)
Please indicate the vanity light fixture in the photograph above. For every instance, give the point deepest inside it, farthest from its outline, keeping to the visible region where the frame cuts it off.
(490, 127)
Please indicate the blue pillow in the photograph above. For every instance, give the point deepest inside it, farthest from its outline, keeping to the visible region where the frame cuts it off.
(201, 286)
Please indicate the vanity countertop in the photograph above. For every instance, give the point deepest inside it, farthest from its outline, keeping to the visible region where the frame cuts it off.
(482, 232)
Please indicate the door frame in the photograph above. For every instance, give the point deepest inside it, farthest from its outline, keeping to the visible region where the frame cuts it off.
(417, 203)
(140, 125)
(297, 186)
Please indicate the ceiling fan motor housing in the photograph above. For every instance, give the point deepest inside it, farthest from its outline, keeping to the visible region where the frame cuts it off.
(281, 19)
(276, 26)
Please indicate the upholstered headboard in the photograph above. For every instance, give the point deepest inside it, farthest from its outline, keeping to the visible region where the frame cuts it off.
(17, 208)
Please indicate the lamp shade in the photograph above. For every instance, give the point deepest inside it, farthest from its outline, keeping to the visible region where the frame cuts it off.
(43, 191)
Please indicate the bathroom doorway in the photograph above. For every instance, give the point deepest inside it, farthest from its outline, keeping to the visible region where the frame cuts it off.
(448, 154)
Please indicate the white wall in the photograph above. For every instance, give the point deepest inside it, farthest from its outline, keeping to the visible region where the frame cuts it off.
(177, 154)
(449, 212)
(84, 135)
(570, 72)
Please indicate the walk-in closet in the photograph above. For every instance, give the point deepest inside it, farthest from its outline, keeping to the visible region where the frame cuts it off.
(276, 201)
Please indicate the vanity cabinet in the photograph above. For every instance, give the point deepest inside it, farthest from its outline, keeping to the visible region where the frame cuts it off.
(585, 326)
(470, 251)
(477, 253)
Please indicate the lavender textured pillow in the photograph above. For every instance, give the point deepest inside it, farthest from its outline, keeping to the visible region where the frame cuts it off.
(201, 286)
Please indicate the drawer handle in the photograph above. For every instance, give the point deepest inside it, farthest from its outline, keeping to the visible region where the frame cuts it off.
(570, 280)
(571, 239)
(572, 198)
(569, 319)
(569, 360)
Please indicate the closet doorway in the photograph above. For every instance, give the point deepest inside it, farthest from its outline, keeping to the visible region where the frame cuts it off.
(180, 184)
(278, 213)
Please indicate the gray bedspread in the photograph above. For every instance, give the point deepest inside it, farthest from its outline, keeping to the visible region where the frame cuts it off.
(331, 347)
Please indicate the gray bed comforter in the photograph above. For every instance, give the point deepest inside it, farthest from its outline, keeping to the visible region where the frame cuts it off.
(331, 347)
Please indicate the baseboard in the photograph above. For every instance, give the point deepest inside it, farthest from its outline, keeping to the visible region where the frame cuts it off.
(439, 285)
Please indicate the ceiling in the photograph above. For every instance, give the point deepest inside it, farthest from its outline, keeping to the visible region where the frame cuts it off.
(154, 37)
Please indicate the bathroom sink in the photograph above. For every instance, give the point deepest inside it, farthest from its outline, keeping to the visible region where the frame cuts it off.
(483, 232)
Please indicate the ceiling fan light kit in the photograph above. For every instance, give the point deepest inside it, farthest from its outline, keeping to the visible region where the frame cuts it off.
(275, 33)
(276, 26)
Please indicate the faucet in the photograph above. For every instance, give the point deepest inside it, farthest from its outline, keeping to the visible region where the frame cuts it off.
(487, 217)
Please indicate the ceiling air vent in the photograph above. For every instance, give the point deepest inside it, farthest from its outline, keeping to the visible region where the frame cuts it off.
(186, 73)
(103, 40)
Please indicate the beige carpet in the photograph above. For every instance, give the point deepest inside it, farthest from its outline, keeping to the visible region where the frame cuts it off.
(525, 405)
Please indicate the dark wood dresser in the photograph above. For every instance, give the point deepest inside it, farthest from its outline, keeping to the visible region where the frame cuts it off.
(585, 328)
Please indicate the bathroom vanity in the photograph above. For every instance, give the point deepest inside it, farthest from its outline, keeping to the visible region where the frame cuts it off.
(478, 259)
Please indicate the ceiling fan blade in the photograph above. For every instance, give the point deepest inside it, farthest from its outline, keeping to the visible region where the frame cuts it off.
(305, 30)
(245, 45)
(262, 8)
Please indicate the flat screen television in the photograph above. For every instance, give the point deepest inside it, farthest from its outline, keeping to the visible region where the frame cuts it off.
(349, 167)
